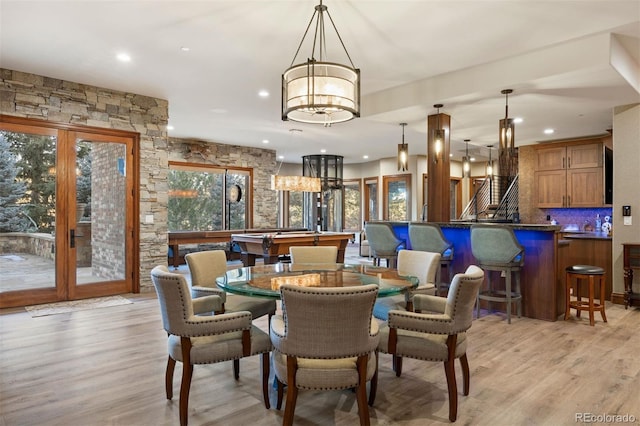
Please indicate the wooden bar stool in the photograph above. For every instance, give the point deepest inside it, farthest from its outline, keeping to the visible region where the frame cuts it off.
(590, 273)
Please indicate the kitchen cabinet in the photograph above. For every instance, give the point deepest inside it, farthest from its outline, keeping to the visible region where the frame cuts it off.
(570, 174)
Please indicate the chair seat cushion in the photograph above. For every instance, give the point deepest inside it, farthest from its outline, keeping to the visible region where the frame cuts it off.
(585, 269)
(221, 347)
(320, 374)
(428, 347)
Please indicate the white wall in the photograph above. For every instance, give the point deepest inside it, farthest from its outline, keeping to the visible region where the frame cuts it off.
(626, 175)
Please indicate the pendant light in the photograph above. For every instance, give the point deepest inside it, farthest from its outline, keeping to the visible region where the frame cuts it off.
(319, 91)
(490, 163)
(466, 165)
(403, 153)
(507, 126)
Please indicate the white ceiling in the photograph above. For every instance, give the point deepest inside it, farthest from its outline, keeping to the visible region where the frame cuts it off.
(569, 64)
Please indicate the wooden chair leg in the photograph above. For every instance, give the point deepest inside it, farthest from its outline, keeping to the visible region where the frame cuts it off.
(397, 365)
(185, 386)
(374, 384)
(450, 372)
(236, 369)
(592, 319)
(292, 392)
(602, 297)
(361, 391)
(168, 377)
(280, 387)
(464, 362)
(265, 379)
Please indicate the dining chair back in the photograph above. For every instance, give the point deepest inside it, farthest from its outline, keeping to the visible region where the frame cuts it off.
(325, 339)
(205, 267)
(313, 254)
(420, 264)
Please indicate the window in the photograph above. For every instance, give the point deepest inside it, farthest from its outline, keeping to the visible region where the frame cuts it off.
(352, 205)
(208, 198)
(397, 192)
(371, 199)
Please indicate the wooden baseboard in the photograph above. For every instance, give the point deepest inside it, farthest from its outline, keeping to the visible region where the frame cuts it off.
(617, 298)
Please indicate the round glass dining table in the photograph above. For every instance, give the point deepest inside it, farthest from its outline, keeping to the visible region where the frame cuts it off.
(265, 280)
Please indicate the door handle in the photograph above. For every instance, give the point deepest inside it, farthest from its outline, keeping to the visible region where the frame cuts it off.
(72, 238)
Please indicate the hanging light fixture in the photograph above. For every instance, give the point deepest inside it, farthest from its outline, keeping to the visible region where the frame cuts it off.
(403, 153)
(438, 137)
(507, 126)
(466, 165)
(490, 163)
(317, 91)
(295, 183)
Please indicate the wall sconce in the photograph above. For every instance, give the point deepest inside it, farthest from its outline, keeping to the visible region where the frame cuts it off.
(403, 153)
(466, 165)
(490, 163)
(438, 137)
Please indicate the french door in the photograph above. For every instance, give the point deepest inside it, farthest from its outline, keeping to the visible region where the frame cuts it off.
(74, 232)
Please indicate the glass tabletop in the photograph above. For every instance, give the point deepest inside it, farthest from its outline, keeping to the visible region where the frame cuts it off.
(265, 280)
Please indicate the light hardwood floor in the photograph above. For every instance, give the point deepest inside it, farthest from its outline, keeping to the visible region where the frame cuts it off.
(106, 367)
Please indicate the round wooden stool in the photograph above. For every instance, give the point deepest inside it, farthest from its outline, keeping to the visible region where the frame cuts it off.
(590, 273)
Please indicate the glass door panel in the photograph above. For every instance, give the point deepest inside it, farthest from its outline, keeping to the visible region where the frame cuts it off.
(99, 224)
(27, 212)
(100, 214)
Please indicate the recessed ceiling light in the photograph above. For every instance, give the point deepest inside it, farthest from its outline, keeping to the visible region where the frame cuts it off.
(265, 140)
(123, 57)
(365, 156)
(185, 48)
(548, 131)
(170, 127)
(450, 155)
(263, 94)
(472, 159)
(323, 151)
(280, 157)
(518, 120)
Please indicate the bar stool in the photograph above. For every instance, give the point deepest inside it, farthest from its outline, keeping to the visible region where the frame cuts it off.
(496, 248)
(590, 273)
(429, 237)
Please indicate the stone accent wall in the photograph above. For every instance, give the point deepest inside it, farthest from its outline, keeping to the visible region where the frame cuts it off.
(29, 95)
(262, 161)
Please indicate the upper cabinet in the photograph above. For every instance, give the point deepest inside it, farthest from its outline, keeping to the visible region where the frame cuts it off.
(573, 174)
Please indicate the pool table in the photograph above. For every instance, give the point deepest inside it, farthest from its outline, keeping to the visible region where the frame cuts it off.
(271, 246)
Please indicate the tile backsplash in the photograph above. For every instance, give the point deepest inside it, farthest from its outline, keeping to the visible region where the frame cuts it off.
(573, 217)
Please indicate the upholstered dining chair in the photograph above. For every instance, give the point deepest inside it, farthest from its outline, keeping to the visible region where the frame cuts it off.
(429, 237)
(313, 254)
(195, 339)
(439, 335)
(383, 242)
(325, 340)
(420, 264)
(205, 267)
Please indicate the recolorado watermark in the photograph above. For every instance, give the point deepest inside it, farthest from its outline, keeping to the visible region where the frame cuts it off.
(604, 418)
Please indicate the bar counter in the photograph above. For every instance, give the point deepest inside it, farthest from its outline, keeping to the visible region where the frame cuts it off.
(541, 285)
